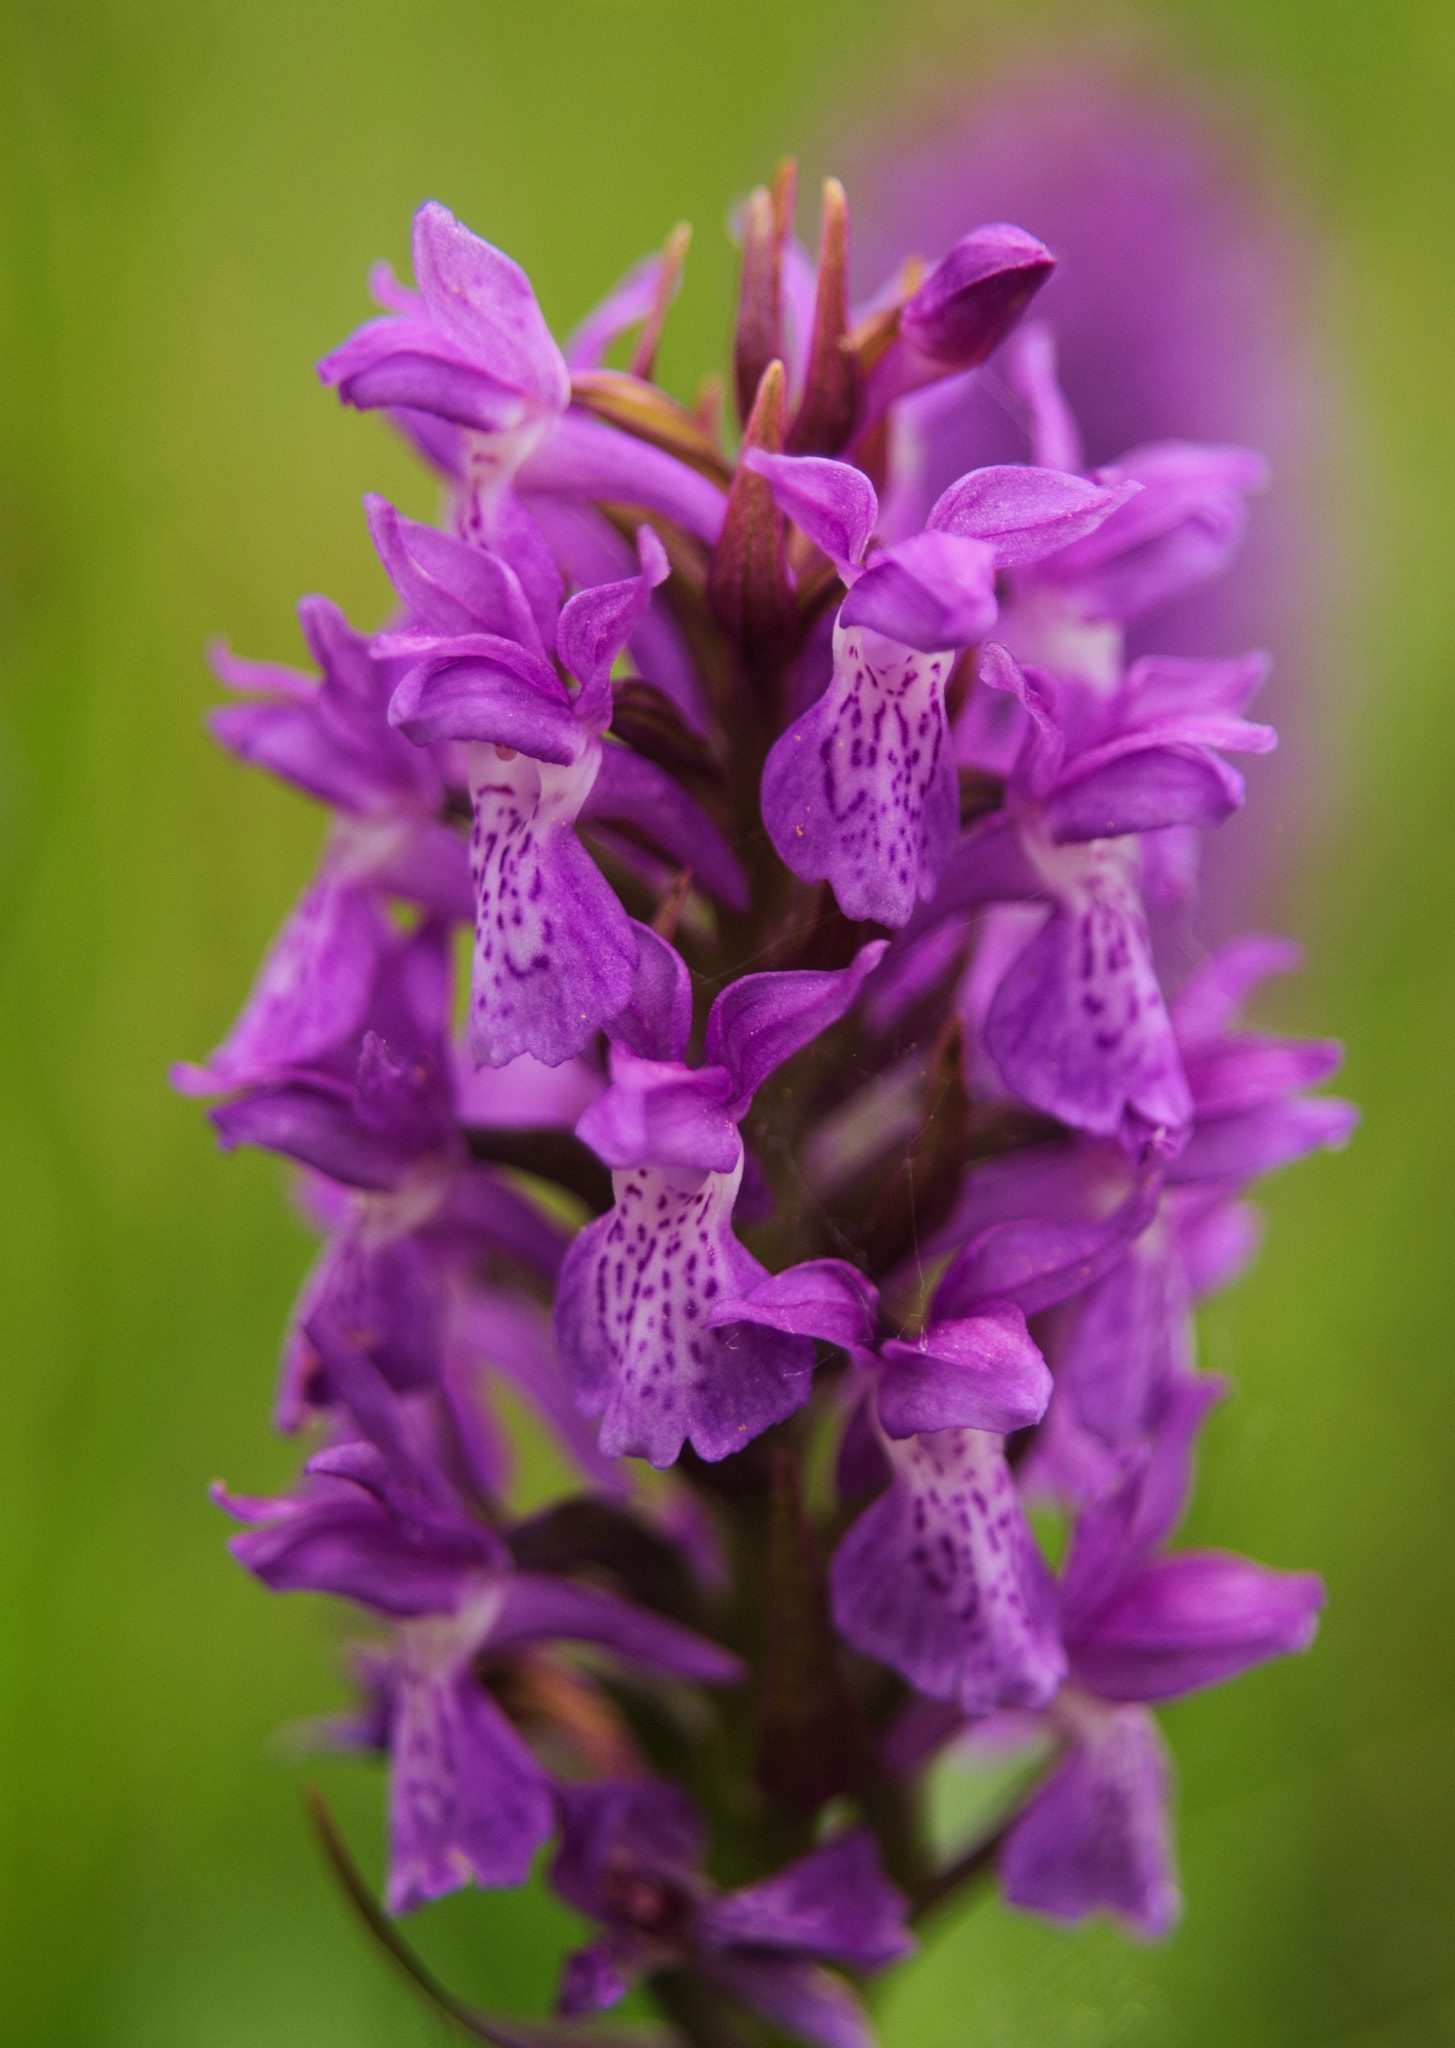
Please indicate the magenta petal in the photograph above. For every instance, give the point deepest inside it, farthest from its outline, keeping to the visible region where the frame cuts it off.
(447, 585)
(1036, 1264)
(1022, 513)
(311, 994)
(1095, 1837)
(968, 303)
(1238, 1148)
(980, 1372)
(483, 303)
(597, 623)
(825, 1298)
(625, 306)
(931, 592)
(1144, 792)
(467, 1800)
(490, 690)
(657, 1113)
(860, 791)
(1192, 1619)
(760, 1020)
(941, 1579)
(316, 1124)
(1210, 999)
(554, 953)
(655, 1024)
(832, 502)
(629, 1324)
(835, 1903)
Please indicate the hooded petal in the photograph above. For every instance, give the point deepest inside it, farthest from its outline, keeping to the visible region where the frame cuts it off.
(980, 1372)
(825, 1298)
(761, 1020)
(1023, 514)
(808, 2001)
(967, 305)
(932, 592)
(832, 502)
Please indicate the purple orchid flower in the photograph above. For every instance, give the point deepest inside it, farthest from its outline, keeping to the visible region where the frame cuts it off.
(1077, 1025)
(1140, 1627)
(940, 1577)
(638, 1284)
(470, 351)
(630, 1856)
(555, 957)
(332, 739)
(379, 1524)
(860, 790)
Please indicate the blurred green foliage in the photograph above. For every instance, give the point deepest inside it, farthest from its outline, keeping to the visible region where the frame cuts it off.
(193, 191)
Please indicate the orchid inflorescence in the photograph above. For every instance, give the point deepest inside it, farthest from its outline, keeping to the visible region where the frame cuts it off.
(819, 1156)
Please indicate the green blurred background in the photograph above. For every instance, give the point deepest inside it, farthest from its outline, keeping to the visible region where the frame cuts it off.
(193, 191)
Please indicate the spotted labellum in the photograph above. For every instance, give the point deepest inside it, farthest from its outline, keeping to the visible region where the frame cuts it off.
(731, 1022)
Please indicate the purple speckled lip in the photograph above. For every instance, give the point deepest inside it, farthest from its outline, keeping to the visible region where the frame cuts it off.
(726, 1016)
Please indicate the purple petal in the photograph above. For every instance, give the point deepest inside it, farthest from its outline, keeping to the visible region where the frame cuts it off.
(584, 459)
(1022, 513)
(1238, 1148)
(597, 623)
(931, 592)
(592, 1979)
(1169, 686)
(980, 1372)
(631, 787)
(825, 1298)
(316, 1125)
(448, 586)
(1078, 1027)
(484, 304)
(968, 303)
(656, 1023)
(534, 1606)
(941, 1579)
(1095, 1837)
(489, 690)
(1247, 1071)
(1030, 369)
(629, 1323)
(1210, 999)
(1144, 791)
(1191, 1620)
(1180, 530)
(760, 1020)
(312, 991)
(353, 1548)
(656, 1113)
(467, 1800)
(834, 1903)
(832, 502)
(860, 791)
(554, 953)
(1036, 1264)
(801, 1997)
